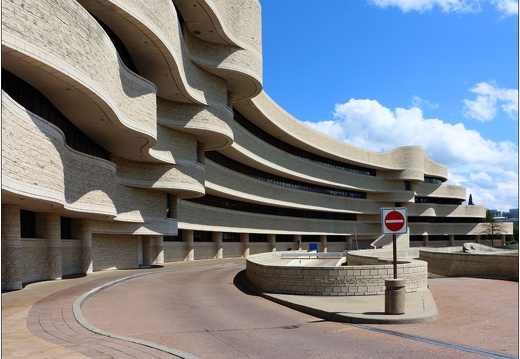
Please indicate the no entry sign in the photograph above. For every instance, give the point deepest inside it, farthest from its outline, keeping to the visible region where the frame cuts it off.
(394, 220)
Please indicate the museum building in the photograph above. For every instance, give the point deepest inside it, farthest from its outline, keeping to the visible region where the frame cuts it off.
(136, 133)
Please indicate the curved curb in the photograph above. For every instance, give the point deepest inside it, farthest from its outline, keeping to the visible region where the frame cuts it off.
(429, 314)
(78, 314)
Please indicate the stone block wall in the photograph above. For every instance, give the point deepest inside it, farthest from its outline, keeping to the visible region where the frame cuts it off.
(267, 272)
(71, 256)
(452, 262)
(114, 251)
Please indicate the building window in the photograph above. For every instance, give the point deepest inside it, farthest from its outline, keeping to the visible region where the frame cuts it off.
(35, 102)
(66, 228)
(226, 203)
(27, 224)
(279, 180)
(202, 236)
(258, 237)
(230, 237)
(273, 141)
(407, 186)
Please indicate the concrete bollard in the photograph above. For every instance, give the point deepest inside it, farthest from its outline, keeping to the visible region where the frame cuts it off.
(395, 296)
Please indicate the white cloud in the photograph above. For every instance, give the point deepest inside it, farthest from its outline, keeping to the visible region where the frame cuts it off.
(487, 168)
(490, 99)
(426, 5)
(506, 7)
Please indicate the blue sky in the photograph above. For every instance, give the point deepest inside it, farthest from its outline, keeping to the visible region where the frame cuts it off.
(380, 74)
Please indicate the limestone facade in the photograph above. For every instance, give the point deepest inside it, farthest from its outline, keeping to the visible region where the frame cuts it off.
(135, 133)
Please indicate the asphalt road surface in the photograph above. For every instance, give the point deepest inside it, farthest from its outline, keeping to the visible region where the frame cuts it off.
(205, 311)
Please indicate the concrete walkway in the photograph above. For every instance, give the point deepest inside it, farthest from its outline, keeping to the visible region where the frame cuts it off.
(39, 321)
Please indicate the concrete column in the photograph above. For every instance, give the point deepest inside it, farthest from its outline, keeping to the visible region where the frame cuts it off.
(48, 226)
(81, 230)
(323, 241)
(147, 250)
(478, 238)
(217, 239)
(11, 248)
(349, 242)
(272, 241)
(451, 239)
(187, 237)
(298, 241)
(244, 238)
(425, 240)
(158, 256)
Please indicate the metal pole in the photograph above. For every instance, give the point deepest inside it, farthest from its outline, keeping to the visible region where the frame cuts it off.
(395, 256)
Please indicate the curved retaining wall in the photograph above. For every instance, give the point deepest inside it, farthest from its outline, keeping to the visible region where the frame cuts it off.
(452, 262)
(269, 272)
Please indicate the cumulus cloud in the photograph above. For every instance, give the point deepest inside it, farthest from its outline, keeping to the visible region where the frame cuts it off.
(490, 99)
(487, 168)
(506, 7)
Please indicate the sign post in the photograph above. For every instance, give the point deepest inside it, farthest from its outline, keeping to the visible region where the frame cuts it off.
(394, 221)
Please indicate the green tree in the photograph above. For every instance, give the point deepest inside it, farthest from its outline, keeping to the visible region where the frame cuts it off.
(492, 229)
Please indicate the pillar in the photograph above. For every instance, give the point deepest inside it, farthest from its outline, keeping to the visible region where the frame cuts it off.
(48, 226)
(11, 248)
(271, 238)
(451, 239)
(478, 238)
(425, 240)
(298, 241)
(81, 230)
(217, 239)
(187, 237)
(158, 253)
(323, 241)
(147, 250)
(244, 238)
(349, 242)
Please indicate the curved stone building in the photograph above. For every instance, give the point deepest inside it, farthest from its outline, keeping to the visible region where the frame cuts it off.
(137, 132)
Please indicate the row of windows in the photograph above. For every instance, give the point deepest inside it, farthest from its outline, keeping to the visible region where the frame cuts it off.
(278, 180)
(438, 200)
(28, 225)
(226, 203)
(424, 219)
(433, 180)
(203, 236)
(34, 101)
(273, 141)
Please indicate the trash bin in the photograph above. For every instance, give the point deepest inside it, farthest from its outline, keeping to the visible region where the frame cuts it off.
(395, 296)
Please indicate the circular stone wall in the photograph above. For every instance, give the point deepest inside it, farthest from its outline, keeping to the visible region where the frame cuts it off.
(292, 273)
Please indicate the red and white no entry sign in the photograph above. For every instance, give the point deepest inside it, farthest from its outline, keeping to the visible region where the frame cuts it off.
(394, 220)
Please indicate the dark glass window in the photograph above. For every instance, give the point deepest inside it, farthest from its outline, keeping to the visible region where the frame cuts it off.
(278, 180)
(230, 237)
(258, 237)
(34, 101)
(311, 238)
(202, 236)
(438, 200)
(66, 228)
(284, 238)
(336, 239)
(27, 224)
(226, 203)
(273, 141)
(177, 238)
(433, 180)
